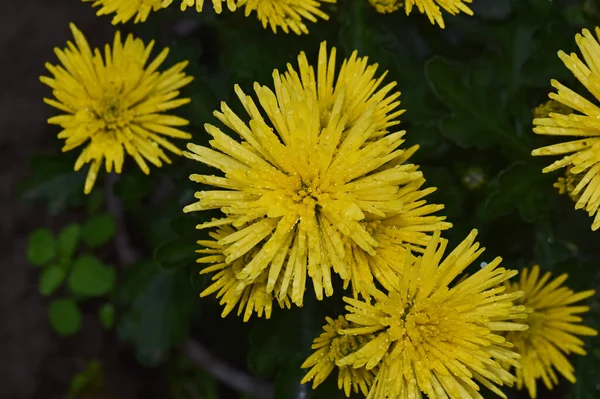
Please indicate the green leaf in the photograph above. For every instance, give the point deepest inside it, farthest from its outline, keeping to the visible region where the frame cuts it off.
(107, 315)
(65, 316)
(88, 382)
(90, 277)
(475, 119)
(41, 247)
(176, 253)
(98, 230)
(54, 183)
(521, 186)
(51, 278)
(158, 314)
(68, 240)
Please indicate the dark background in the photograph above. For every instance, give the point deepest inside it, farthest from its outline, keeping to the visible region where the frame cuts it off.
(483, 74)
(33, 362)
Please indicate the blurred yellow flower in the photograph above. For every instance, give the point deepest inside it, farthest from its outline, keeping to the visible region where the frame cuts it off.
(386, 6)
(433, 8)
(305, 176)
(199, 4)
(550, 106)
(139, 10)
(583, 157)
(116, 104)
(553, 326)
(253, 297)
(286, 14)
(567, 184)
(125, 10)
(433, 338)
(332, 346)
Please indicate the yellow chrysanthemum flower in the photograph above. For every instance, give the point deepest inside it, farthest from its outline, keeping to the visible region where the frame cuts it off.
(437, 339)
(286, 14)
(115, 104)
(433, 8)
(251, 297)
(332, 346)
(584, 154)
(553, 326)
(307, 174)
(125, 10)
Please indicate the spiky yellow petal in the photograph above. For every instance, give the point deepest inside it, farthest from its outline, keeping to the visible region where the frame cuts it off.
(287, 15)
(332, 346)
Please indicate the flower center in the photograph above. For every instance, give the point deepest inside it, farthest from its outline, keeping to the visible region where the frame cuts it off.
(342, 346)
(307, 193)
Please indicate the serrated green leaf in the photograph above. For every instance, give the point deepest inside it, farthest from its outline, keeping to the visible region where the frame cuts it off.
(68, 240)
(98, 230)
(475, 121)
(176, 253)
(107, 315)
(90, 277)
(51, 278)
(65, 316)
(41, 247)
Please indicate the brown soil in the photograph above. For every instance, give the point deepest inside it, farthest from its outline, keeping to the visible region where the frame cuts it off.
(34, 362)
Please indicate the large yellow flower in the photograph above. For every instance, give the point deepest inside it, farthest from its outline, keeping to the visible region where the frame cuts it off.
(139, 10)
(332, 346)
(583, 157)
(553, 326)
(286, 14)
(433, 8)
(115, 104)
(434, 338)
(310, 169)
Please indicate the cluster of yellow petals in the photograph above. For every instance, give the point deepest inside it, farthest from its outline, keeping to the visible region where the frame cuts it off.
(316, 179)
(553, 326)
(250, 299)
(429, 337)
(287, 15)
(582, 156)
(330, 347)
(433, 8)
(114, 103)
